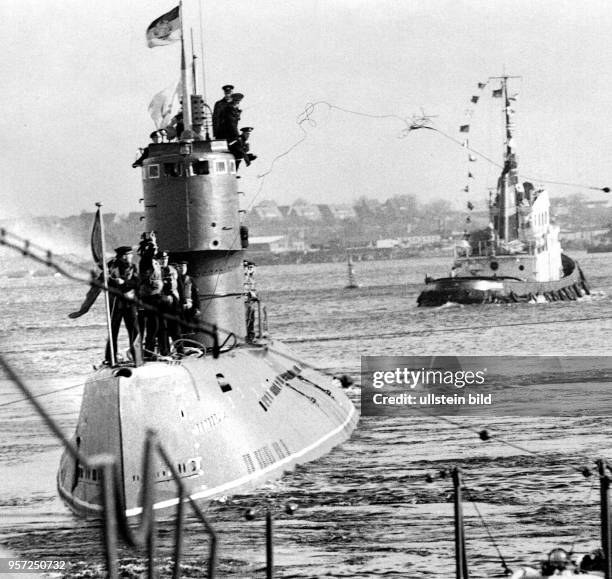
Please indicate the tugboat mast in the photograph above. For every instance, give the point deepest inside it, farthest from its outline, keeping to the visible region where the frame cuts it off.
(508, 223)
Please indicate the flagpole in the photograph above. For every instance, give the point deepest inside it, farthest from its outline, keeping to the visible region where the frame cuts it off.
(184, 77)
(194, 58)
(202, 69)
(111, 347)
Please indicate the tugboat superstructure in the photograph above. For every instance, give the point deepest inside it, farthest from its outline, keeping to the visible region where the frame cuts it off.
(518, 257)
(238, 408)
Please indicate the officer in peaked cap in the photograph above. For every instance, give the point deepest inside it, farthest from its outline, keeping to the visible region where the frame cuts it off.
(120, 269)
(251, 298)
(168, 327)
(227, 127)
(219, 109)
(124, 281)
(245, 133)
(123, 249)
(189, 302)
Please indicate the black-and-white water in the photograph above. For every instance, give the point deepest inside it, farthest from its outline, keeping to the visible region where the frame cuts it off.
(365, 510)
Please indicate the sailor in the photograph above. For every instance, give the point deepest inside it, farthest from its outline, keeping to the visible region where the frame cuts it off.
(156, 137)
(189, 299)
(229, 119)
(244, 148)
(168, 327)
(558, 561)
(220, 107)
(176, 127)
(151, 286)
(251, 298)
(124, 282)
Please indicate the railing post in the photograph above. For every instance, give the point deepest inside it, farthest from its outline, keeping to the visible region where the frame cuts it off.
(110, 518)
(178, 533)
(460, 555)
(606, 538)
(269, 545)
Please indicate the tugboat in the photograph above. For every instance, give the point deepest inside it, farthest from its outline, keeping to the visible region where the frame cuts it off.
(234, 408)
(518, 257)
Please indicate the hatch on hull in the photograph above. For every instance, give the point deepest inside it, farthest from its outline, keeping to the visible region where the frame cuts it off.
(228, 423)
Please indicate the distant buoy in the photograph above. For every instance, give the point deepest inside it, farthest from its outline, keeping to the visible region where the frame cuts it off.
(352, 284)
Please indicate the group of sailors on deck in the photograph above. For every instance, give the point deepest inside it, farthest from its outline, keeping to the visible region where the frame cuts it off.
(169, 302)
(155, 299)
(225, 120)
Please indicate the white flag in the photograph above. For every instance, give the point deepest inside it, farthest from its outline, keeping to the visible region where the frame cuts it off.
(165, 105)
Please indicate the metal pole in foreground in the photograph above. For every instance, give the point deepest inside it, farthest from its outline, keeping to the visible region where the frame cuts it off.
(269, 546)
(606, 538)
(110, 517)
(460, 556)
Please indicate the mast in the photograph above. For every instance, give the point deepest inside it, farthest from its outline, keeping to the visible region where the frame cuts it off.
(508, 179)
(194, 58)
(202, 70)
(509, 199)
(105, 278)
(184, 77)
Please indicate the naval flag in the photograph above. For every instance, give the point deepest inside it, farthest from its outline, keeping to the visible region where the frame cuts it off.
(98, 257)
(96, 240)
(165, 30)
(165, 105)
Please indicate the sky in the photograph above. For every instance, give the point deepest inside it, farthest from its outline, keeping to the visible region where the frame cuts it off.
(79, 78)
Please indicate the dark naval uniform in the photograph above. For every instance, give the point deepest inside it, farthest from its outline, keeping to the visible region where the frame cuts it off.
(251, 302)
(228, 123)
(150, 294)
(219, 111)
(189, 301)
(124, 281)
(220, 108)
(168, 328)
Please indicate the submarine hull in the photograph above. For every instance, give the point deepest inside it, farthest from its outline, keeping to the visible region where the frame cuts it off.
(228, 423)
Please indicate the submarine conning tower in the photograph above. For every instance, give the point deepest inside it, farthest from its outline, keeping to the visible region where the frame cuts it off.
(191, 202)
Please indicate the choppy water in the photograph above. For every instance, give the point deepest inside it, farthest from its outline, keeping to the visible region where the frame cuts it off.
(365, 510)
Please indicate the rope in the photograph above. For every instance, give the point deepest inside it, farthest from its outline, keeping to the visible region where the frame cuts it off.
(27, 249)
(500, 166)
(486, 527)
(588, 495)
(9, 403)
(423, 121)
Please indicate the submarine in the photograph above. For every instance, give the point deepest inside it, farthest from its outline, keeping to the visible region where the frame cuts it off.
(234, 409)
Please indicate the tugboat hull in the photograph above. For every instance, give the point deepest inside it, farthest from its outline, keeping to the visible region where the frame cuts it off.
(487, 290)
(229, 423)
